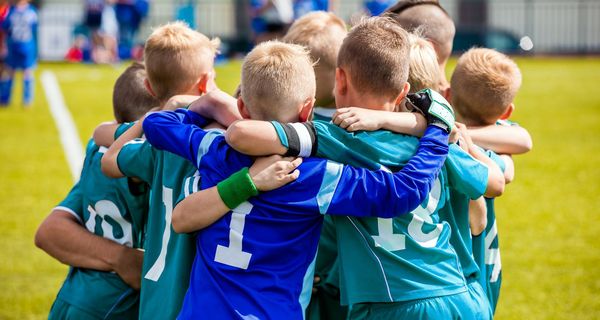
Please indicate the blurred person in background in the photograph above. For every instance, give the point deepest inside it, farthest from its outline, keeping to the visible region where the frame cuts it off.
(270, 19)
(377, 7)
(4, 7)
(302, 7)
(129, 14)
(20, 27)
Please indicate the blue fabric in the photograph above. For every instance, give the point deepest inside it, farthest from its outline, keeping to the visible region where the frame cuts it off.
(5, 90)
(277, 232)
(20, 26)
(27, 90)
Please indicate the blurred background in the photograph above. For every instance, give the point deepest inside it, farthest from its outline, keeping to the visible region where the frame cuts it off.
(548, 218)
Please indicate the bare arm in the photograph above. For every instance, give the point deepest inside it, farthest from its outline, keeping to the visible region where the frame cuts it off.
(203, 208)
(502, 139)
(255, 138)
(356, 119)
(477, 216)
(104, 134)
(509, 168)
(62, 237)
(109, 163)
(496, 181)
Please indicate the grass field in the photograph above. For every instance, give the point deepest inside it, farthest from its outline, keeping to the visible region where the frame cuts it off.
(548, 218)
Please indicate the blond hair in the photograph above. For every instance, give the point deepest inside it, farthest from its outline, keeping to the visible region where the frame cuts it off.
(176, 57)
(322, 33)
(277, 78)
(424, 71)
(375, 57)
(130, 98)
(484, 83)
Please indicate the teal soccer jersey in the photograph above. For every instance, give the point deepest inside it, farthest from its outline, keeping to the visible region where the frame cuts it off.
(168, 255)
(113, 209)
(408, 257)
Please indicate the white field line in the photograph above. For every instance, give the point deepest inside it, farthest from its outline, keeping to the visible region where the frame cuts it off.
(69, 137)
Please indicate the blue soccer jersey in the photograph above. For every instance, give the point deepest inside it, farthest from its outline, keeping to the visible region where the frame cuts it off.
(257, 261)
(20, 25)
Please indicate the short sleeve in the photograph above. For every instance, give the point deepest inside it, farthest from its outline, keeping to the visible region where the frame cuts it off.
(136, 159)
(122, 128)
(465, 173)
(73, 203)
(496, 158)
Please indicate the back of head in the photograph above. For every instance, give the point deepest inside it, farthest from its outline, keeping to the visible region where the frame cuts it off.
(484, 83)
(277, 79)
(424, 71)
(176, 57)
(375, 57)
(430, 19)
(322, 33)
(131, 100)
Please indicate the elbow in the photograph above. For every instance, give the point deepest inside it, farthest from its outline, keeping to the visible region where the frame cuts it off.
(495, 187)
(477, 227)
(41, 236)
(235, 136)
(109, 166)
(176, 221)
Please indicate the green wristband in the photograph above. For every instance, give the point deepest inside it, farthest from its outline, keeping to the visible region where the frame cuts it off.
(237, 188)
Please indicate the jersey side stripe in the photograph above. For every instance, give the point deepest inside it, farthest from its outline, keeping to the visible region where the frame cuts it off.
(307, 285)
(205, 144)
(333, 173)
(387, 285)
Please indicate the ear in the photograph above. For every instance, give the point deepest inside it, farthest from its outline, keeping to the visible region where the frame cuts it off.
(149, 87)
(447, 94)
(242, 109)
(508, 112)
(206, 83)
(341, 82)
(306, 110)
(403, 93)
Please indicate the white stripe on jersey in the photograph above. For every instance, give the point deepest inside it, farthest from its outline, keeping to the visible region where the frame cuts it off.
(333, 173)
(304, 137)
(69, 210)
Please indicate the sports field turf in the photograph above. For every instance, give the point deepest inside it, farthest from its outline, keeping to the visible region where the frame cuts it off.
(548, 218)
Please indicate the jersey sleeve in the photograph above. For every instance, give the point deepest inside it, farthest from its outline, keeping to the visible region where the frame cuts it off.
(496, 158)
(189, 186)
(73, 203)
(359, 192)
(465, 173)
(177, 131)
(136, 160)
(122, 128)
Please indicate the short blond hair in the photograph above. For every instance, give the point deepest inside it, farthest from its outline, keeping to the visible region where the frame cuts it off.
(424, 71)
(176, 57)
(277, 78)
(375, 55)
(484, 83)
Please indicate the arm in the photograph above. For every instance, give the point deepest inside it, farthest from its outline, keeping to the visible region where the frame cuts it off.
(255, 138)
(64, 238)
(104, 134)
(477, 216)
(203, 208)
(502, 139)
(509, 168)
(110, 166)
(496, 180)
(356, 119)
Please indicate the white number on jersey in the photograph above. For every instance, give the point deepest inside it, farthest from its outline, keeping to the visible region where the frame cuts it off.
(387, 239)
(159, 265)
(492, 256)
(107, 210)
(233, 255)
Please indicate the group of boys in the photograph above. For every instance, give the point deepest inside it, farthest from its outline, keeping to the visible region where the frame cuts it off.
(356, 218)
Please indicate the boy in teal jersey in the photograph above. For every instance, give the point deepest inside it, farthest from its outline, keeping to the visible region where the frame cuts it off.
(322, 34)
(411, 254)
(110, 209)
(483, 87)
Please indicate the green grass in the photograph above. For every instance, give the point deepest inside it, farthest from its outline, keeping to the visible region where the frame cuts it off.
(547, 218)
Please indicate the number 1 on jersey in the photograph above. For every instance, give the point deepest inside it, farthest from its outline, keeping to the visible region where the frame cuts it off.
(159, 265)
(233, 255)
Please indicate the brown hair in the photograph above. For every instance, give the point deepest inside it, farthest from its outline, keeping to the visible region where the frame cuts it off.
(431, 19)
(277, 78)
(130, 98)
(176, 57)
(484, 83)
(375, 57)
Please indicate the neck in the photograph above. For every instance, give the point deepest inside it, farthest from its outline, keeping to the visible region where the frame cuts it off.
(368, 102)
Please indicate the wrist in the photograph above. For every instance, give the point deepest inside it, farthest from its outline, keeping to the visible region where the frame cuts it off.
(236, 189)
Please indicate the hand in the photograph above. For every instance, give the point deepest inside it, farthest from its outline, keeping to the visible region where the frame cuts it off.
(454, 136)
(217, 105)
(316, 282)
(464, 138)
(179, 101)
(129, 266)
(272, 172)
(356, 119)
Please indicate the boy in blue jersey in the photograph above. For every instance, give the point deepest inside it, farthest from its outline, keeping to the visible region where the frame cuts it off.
(483, 103)
(97, 229)
(257, 261)
(20, 26)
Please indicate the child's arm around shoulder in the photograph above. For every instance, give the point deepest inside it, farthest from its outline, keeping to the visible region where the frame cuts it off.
(255, 138)
(110, 166)
(502, 139)
(357, 119)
